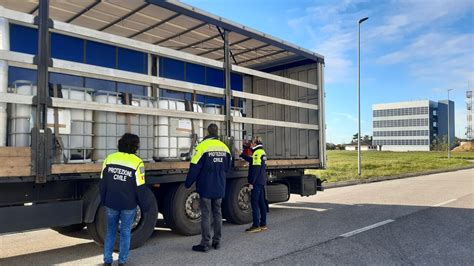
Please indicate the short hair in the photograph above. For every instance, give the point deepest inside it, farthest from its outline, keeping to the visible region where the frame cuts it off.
(213, 130)
(129, 143)
(258, 140)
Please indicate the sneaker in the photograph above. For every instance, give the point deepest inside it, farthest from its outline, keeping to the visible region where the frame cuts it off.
(253, 229)
(216, 245)
(263, 227)
(201, 248)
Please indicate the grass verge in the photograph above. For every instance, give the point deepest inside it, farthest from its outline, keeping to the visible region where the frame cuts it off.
(342, 165)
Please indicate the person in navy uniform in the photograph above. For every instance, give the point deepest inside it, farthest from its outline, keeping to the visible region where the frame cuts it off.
(122, 185)
(208, 169)
(257, 179)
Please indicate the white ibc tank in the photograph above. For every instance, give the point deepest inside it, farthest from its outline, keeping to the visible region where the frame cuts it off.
(236, 128)
(174, 135)
(75, 125)
(110, 126)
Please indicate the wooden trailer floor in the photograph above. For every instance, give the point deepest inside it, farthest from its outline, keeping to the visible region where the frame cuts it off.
(16, 162)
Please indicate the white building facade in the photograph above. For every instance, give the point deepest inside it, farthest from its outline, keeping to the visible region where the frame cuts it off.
(411, 126)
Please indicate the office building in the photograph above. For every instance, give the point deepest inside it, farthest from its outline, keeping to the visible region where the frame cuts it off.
(411, 126)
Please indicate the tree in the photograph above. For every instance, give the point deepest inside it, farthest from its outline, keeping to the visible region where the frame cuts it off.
(364, 140)
(440, 143)
(330, 146)
(341, 147)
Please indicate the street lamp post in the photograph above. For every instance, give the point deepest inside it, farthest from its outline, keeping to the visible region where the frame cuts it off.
(449, 125)
(359, 169)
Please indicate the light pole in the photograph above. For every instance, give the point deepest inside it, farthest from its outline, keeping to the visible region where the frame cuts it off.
(449, 125)
(359, 168)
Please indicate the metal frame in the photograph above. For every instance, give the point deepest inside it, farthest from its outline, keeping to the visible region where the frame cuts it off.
(219, 48)
(40, 133)
(83, 11)
(67, 67)
(181, 33)
(124, 17)
(103, 37)
(234, 27)
(159, 23)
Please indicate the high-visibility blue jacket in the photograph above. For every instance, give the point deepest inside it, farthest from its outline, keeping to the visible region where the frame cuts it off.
(122, 182)
(257, 166)
(209, 165)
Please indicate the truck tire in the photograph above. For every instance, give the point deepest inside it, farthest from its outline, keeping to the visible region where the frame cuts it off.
(181, 210)
(67, 230)
(236, 205)
(277, 193)
(145, 225)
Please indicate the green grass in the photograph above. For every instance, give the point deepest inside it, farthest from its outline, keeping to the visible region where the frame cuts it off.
(342, 165)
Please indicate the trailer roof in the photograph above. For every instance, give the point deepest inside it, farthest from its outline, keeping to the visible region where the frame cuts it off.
(174, 25)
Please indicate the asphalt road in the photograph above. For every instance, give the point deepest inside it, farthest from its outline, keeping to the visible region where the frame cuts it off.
(420, 220)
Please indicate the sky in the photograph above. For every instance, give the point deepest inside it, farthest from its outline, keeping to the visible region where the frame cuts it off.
(411, 50)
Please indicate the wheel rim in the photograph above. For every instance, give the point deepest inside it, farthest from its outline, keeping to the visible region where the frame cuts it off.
(244, 198)
(191, 207)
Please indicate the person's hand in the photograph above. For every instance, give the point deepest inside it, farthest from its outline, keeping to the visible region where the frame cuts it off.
(238, 153)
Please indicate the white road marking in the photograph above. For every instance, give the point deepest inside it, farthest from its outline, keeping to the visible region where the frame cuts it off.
(444, 203)
(297, 208)
(363, 229)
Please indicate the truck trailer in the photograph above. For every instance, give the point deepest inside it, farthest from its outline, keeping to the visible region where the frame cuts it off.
(76, 75)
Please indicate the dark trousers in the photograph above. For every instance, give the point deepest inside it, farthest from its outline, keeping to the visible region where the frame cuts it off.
(207, 206)
(259, 207)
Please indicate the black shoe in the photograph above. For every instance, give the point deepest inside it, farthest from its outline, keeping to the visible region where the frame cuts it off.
(122, 264)
(201, 248)
(107, 264)
(216, 245)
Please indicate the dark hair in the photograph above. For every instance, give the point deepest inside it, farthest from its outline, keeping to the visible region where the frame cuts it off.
(213, 130)
(129, 143)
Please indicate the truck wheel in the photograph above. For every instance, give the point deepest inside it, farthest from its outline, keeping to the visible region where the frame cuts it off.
(277, 193)
(181, 210)
(142, 228)
(236, 205)
(67, 230)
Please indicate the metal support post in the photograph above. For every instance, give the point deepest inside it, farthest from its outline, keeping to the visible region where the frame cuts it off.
(449, 126)
(359, 161)
(41, 135)
(228, 92)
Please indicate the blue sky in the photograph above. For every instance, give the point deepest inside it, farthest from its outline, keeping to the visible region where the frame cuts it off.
(412, 50)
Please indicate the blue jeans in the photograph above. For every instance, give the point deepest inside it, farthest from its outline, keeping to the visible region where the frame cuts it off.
(259, 207)
(126, 218)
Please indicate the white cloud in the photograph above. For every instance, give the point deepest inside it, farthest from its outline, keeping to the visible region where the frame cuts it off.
(332, 29)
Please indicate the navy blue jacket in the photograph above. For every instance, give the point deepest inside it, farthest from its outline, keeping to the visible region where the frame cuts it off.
(209, 166)
(257, 166)
(122, 182)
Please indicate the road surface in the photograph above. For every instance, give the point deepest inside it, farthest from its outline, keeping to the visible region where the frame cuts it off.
(420, 220)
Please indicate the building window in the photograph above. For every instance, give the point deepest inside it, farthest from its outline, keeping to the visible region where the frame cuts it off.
(17, 73)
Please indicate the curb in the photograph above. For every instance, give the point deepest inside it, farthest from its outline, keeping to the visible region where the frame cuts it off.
(385, 178)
